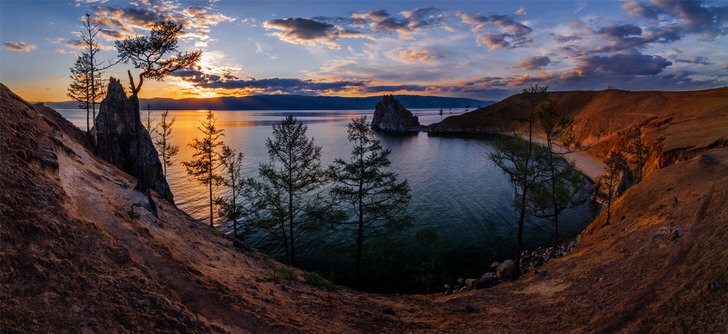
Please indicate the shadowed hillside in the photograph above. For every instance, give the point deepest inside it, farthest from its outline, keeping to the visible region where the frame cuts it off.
(677, 125)
(81, 253)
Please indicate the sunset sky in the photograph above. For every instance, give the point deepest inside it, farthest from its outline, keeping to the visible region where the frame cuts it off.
(480, 49)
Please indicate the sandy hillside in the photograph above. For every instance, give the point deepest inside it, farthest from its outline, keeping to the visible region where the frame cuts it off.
(81, 253)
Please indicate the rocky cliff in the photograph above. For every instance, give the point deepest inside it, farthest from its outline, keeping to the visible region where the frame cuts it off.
(390, 115)
(116, 129)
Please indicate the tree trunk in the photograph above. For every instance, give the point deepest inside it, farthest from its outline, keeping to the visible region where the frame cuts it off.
(211, 225)
(609, 201)
(290, 225)
(285, 242)
(520, 234)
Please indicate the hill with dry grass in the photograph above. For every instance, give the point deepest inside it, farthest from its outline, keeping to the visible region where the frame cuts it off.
(80, 251)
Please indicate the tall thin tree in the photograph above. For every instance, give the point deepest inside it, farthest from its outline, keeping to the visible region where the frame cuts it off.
(230, 208)
(373, 196)
(206, 159)
(559, 190)
(616, 164)
(639, 150)
(289, 181)
(164, 141)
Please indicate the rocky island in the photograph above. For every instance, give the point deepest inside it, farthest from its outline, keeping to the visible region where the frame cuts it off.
(391, 116)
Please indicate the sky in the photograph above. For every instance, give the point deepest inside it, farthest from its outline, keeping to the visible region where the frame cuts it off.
(486, 50)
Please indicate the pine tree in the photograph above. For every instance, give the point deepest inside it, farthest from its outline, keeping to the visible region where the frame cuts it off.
(288, 182)
(164, 142)
(562, 182)
(206, 160)
(87, 85)
(230, 208)
(523, 164)
(373, 195)
(616, 164)
(639, 150)
(150, 124)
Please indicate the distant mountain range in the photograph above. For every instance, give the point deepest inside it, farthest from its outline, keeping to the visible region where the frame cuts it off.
(295, 102)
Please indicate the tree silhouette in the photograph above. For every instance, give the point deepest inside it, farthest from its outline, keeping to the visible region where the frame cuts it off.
(559, 190)
(639, 150)
(230, 208)
(523, 164)
(288, 182)
(206, 160)
(87, 85)
(374, 196)
(616, 163)
(166, 150)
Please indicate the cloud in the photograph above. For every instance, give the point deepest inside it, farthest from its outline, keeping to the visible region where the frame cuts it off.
(510, 34)
(117, 22)
(632, 63)
(533, 63)
(695, 17)
(416, 56)
(635, 9)
(521, 11)
(310, 31)
(699, 60)
(229, 81)
(19, 46)
(381, 20)
(630, 36)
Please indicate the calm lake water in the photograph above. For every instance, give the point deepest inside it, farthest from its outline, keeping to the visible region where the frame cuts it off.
(456, 189)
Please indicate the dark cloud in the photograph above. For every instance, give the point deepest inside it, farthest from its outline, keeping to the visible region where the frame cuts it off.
(627, 36)
(511, 34)
(566, 39)
(632, 63)
(381, 20)
(311, 31)
(395, 88)
(533, 63)
(699, 60)
(19, 46)
(265, 86)
(612, 31)
(695, 16)
(300, 28)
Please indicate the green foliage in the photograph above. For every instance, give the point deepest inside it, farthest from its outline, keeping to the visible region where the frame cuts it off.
(231, 209)
(87, 85)
(314, 279)
(376, 200)
(206, 160)
(616, 163)
(286, 192)
(146, 53)
(163, 142)
(639, 150)
(428, 268)
(284, 274)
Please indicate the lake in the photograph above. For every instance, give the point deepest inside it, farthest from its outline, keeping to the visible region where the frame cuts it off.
(456, 190)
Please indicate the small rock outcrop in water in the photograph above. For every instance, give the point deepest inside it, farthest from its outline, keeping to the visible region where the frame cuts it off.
(390, 115)
(117, 139)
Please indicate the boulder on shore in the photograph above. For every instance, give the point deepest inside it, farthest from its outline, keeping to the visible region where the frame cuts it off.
(116, 131)
(391, 116)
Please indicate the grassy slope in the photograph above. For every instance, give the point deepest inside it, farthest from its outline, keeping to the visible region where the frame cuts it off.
(80, 249)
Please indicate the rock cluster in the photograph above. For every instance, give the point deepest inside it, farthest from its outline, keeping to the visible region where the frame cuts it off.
(117, 126)
(390, 115)
(506, 270)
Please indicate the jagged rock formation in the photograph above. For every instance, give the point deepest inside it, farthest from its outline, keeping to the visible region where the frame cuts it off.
(390, 115)
(116, 130)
